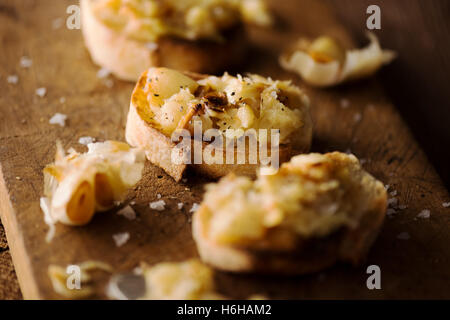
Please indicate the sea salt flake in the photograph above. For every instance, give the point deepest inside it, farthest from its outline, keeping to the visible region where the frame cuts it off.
(59, 119)
(57, 23)
(127, 212)
(152, 46)
(86, 140)
(159, 205)
(41, 92)
(180, 205)
(393, 193)
(424, 214)
(26, 62)
(194, 208)
(121, 238)
(391, 212)
(13, 79)
(393, 202)
(345, 103)
(357, 117)
(103, 73)
(446, 204)
(404, 236)
(159, 196)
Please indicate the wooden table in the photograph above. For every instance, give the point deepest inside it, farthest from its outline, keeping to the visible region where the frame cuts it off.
(414, 268)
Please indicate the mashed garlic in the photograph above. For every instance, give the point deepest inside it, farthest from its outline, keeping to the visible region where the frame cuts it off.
(311, 196)
(224, 103)
(148, 20)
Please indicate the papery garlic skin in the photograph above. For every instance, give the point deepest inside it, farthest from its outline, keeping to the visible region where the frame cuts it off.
(78, 185)
(358, 63)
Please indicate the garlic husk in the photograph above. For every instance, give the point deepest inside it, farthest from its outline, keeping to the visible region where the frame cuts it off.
(78, 185)
(358, 64)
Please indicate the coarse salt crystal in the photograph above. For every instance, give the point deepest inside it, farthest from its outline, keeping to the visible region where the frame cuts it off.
(13, 79)
(26, 62)
(151, 46)
(194, 208)
(357, 117)
(180, 205)
(103, 73)
(127, 212)
(393, 193)
(446, 204)
(57, 23)
(159, 205)
(86, 140)
(41, 92)
(390, 212)
(345, 103)
(392, 202)
(121, 238)
(404, 236)
(158, 196)
(424, 214)
(59, 119)
(109, 83)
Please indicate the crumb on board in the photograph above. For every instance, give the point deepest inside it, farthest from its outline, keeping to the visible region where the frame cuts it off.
(26, 62)
(404, 236)
(121, 238)
(127, 212)
(41, 92)
(159, 205)
(59, 119)
(424, 214)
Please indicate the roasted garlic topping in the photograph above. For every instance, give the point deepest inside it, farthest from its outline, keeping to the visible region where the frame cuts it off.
(148, 20)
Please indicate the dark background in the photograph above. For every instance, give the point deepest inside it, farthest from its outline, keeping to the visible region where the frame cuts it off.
(418, 82)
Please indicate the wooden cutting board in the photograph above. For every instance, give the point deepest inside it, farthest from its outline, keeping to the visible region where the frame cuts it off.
(357, 117)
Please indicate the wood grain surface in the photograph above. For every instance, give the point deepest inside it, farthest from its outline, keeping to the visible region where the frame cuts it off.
(370, 127)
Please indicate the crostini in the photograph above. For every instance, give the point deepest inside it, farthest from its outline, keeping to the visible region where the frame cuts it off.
(78, 185)
(317, 210)
(323, 62)
(252, 112)
(129, 36)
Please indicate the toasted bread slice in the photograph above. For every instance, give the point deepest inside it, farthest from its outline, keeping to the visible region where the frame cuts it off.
(126, 58)
(142, 130)
(284, 250)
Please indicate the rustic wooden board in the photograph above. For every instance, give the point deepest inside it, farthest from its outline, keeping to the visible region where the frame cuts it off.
(415, 268)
